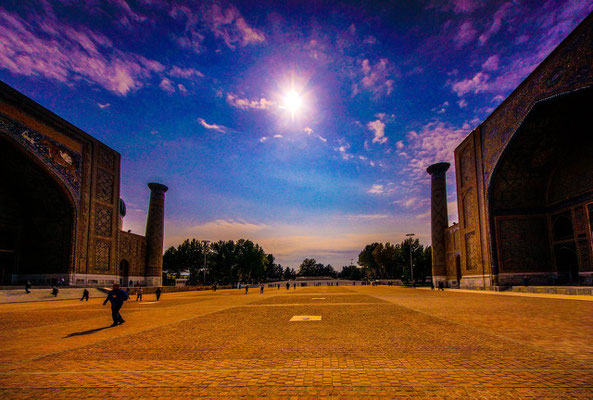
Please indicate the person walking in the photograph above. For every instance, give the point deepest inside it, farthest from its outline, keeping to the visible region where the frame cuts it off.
(138, 294)
(158, 293)
(116, 297)
(85, 295)
(27, 287)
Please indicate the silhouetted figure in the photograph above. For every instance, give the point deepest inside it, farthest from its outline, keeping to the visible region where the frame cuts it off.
(246, 289)
(287, 285)
(431, 286)
(138, 294)
(441, 286)
(54, 291)
(158, 291)
(214, 287)
(294, 286)
(116, 297)
(278, 286)
(85, 295)
(27, 287)
(261, 289)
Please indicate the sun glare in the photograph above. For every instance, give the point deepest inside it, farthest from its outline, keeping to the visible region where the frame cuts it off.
(292, 101)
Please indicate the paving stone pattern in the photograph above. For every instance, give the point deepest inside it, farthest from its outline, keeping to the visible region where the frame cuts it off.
(372, 343)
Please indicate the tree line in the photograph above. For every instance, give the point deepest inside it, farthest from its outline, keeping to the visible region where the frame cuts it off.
(226, 262)
(245, 261)
(392, 261)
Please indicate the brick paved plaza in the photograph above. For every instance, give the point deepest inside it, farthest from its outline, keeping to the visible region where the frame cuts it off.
(371, 342)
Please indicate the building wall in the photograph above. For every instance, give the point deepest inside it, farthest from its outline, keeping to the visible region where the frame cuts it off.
(453, 255)
(566, 69)
(89, 172)
(132, 248)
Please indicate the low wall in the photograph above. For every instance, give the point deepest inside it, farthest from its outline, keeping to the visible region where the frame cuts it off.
(171, 289)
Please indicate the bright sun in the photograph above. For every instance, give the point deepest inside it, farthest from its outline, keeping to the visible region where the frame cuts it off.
(292, 101)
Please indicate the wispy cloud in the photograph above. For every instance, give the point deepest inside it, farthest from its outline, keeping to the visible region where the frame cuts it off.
(382, 188)
(497, 20)
(465, 34)
(229, 25)
(435, 142)
(377, 78)
(167, 85)
(103, 105)
(213, 127)
(186, 73)
(49, 48)
(245, 104)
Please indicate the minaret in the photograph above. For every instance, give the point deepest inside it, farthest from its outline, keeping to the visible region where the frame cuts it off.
(439, 220)
(155, 226)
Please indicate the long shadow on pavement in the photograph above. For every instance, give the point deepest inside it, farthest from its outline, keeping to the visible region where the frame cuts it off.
(86, 332)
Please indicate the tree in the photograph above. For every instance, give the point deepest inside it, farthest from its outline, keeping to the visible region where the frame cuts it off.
(227, 262)
(367, 260)
(310, 267)
(380, 261)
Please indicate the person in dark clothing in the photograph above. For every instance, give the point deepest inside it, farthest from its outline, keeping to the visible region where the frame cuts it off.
(54, 291)
(441, 286)
(246, 288)
(158, 293)
(294, 286)
(27, 287)
(85, 295)
(139, 294)
(261, 289)
(116, 297)
(287, 286)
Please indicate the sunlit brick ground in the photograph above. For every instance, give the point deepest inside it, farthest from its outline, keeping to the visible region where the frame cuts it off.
(372, 342)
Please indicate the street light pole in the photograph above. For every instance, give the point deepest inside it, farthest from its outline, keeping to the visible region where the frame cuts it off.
(411, 264)
(205, 243)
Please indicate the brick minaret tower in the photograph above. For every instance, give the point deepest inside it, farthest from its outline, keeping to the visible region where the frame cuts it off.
(439, 220)
(155, 225)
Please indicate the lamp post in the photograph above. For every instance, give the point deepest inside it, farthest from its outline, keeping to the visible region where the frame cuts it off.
(205, 243)
(411, 265)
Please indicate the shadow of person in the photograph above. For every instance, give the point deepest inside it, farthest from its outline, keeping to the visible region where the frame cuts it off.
(86, 332)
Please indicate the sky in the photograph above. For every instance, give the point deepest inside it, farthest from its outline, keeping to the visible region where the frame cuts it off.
(305, 126)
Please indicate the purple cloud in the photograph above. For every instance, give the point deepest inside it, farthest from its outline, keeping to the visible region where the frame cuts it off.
(491, 64)
(477, 84)
(498, 18)
(186, 73)
(376, 78)
(245, 104)
(435, 142)
(64, 53)
(378, 129)
(465, 35)
(167, 85)
(212, 127)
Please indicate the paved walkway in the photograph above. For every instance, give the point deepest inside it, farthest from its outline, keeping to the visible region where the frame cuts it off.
(371, 342)
(65, 293)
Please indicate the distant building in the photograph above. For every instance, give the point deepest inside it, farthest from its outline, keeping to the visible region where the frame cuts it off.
(525, 182)
(60, 211)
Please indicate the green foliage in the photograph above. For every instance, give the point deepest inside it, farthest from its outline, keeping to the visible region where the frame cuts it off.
(392, 261)
(227, 262)
(310, 267)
